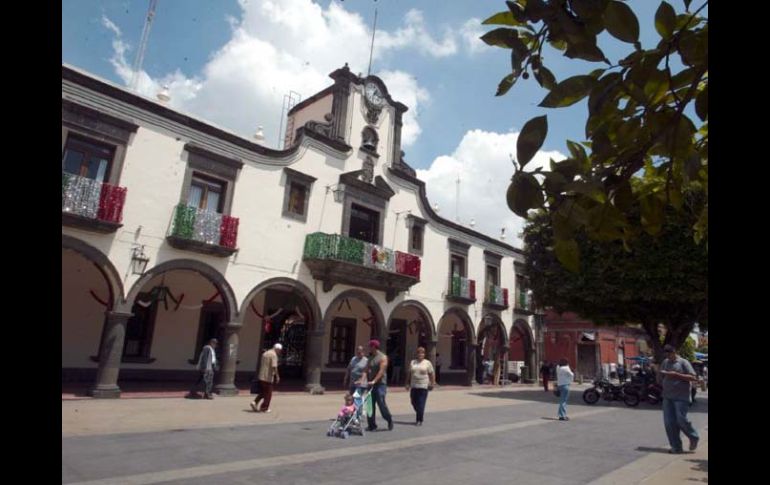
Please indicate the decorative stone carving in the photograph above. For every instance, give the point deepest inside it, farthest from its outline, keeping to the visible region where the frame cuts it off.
(367, 174)
(322, 128)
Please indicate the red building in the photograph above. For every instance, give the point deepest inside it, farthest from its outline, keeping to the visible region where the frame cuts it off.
(589, 347)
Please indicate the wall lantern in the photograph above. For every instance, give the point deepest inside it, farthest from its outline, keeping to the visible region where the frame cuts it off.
(139, 260)
(338, 191)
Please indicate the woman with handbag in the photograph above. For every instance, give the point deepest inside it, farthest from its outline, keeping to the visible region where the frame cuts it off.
(421, 379)
(564, 376)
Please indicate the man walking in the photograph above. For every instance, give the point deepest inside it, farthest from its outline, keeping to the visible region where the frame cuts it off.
(207, 364)
(677, 374)
(355, 371)
(378, 367)
(268, 373)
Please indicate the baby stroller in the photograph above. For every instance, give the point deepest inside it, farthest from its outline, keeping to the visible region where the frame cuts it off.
(343, 426)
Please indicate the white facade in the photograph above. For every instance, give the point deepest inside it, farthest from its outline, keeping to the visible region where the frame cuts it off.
(156, 169)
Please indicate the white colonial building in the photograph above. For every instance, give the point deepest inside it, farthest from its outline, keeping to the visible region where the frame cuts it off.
(175, 231)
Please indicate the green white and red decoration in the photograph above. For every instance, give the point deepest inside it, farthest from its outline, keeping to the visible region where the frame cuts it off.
(205, 226)
(340, 248)
(92, 199)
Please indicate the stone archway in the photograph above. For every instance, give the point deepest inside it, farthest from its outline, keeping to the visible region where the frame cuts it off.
(91, 290)
(212, 275)
(492, 348)
(456, 344)
(410, 325)
(129, 333)
(282, 310)
(351, 319)
(102, 263)
(522, 349)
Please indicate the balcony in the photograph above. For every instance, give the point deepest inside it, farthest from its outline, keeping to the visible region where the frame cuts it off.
(496, 297)
(334, 259)
(462, 290)
(90, 204)
(523, 304)
(202, 231)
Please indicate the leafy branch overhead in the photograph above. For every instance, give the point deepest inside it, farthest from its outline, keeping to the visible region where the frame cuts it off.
(647, 117)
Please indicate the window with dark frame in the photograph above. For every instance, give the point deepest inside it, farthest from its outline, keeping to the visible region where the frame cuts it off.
(493, 275)
(297, 195)
(206, 193)
(417, 236)
(341, 341)
(364, 224)
(87, 158)
(458, 266)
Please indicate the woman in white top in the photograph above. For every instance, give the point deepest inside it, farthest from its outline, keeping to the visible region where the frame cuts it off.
(421, 380)
(564, 376)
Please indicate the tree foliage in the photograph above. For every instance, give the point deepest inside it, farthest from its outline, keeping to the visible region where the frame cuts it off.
(687, 349)
(658, 279)
(647, 114)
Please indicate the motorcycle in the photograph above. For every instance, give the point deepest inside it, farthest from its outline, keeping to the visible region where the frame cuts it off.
(609, 392)
(651, 393)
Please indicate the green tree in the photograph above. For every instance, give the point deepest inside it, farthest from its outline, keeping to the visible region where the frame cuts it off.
(661, 279)
(687, 349)
(647, 114)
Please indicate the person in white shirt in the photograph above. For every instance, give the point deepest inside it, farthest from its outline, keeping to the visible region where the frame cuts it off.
(421, 380)
(207, 364)
(564, 376)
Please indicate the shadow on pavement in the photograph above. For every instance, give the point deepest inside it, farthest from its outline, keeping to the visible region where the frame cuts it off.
(701, 465)
(648, 449)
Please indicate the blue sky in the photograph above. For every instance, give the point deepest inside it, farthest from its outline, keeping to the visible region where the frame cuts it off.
(230, 62)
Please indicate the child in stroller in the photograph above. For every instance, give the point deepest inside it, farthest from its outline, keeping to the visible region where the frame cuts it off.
(350, 416)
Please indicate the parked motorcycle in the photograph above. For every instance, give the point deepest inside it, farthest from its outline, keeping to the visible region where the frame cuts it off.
(604, 389)
(651, 393)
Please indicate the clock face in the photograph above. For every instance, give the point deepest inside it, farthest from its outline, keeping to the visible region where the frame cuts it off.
(373, 94)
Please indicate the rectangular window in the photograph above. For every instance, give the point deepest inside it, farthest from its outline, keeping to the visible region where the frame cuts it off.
(364, 224)
(341, 342)
(87, 158)
(458, 266)
(297, 195)
(206, 193)
(418, 232)
(493, 275)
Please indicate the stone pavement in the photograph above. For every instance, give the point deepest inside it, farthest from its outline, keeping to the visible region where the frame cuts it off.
(91, 417)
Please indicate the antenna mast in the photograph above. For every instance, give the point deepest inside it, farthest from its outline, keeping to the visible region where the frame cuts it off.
(371, 51)
(143, 44)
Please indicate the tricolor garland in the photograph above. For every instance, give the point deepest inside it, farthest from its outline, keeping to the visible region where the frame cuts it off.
(161, 292)
(267, 320)
(96, 297)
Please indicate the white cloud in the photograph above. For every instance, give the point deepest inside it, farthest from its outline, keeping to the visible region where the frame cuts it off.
(470, 33)
(482, 160)
(110, 25)
(279, 46)
(414, 33)
(404, 88)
